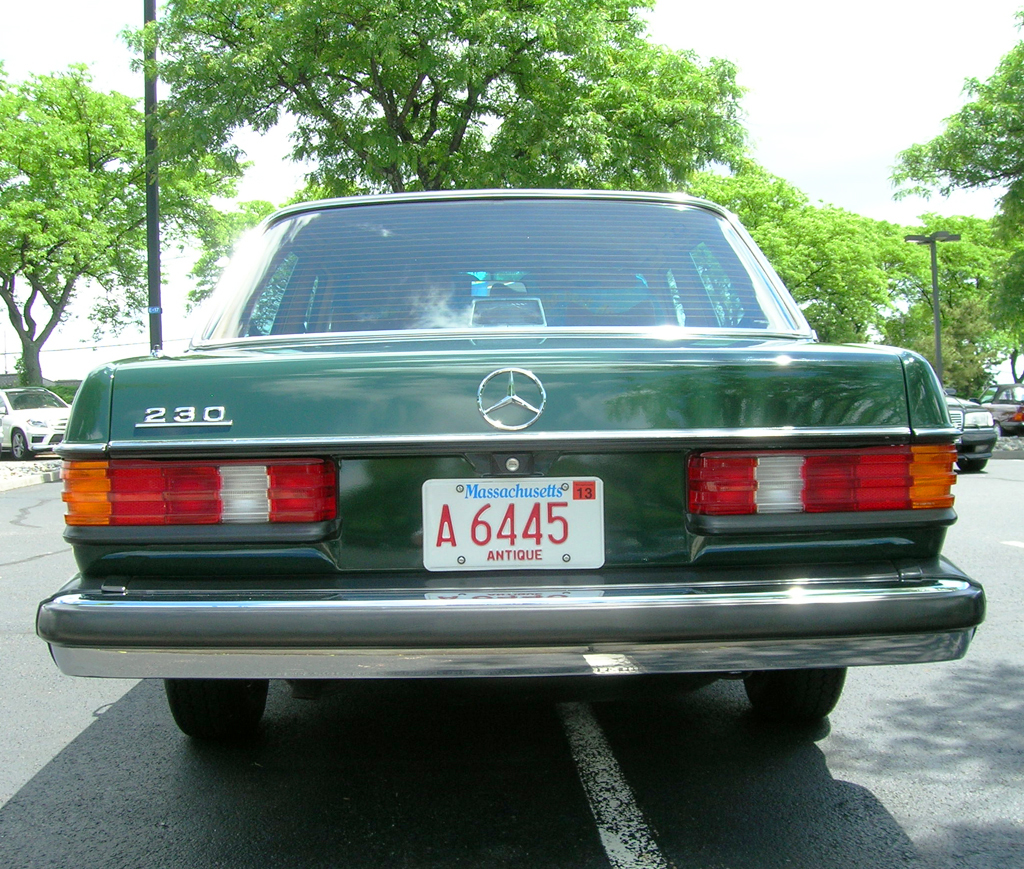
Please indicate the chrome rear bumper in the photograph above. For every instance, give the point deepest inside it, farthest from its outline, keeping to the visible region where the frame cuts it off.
(463, 663)
(661, 629)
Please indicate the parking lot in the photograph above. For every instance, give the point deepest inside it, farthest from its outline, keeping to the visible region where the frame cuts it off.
(919, 766)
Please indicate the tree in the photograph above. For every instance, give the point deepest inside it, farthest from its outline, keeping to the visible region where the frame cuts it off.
(218, 237)
(967, 278)
(836, 264)
(857, 280)
(72, 204)
(403, 95)
(1007, 308)
(982, 145)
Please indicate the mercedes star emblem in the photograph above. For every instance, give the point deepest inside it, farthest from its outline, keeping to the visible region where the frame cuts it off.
(501, 403)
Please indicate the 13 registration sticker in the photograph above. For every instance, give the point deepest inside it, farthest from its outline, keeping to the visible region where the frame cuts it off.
(508, 523)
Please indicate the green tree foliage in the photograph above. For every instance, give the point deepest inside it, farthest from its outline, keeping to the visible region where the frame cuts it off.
(1007, 309)
(218, 236)
(858, 280)
(982, 145)
(967, 277)
(402, 95)
(72, 204)
(836, 264)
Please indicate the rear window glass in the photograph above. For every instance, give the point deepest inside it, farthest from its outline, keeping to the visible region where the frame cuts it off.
(1012, 394)
(499, 264)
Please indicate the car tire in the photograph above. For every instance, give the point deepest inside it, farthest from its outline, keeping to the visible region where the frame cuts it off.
(217, 709)
(795, 696)
(971, 466)
(19, 445)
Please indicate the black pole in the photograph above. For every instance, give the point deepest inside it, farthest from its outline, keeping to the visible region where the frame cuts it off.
(932, 242)
(935, 310)
(156, 339)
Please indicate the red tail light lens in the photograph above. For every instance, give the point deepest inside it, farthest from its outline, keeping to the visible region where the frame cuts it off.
(821, 481)
(199, 493)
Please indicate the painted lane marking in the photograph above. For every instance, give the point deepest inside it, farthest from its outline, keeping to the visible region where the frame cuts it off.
(1013, 543)
(625, 835)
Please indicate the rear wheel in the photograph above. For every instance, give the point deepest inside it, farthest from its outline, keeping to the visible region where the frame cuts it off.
(19, 445)
(217, 709)
(796, 696)
(971, 466)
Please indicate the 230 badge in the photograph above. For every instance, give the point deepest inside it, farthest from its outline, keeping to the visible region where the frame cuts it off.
(188, 415)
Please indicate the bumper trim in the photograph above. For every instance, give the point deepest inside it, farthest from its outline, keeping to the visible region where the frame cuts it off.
(622, 439)
(595, 660)
(672, 629)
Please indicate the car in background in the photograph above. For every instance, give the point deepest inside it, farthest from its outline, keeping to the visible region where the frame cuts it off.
(978, 433)
(33, 420)
(517, 434)
(1005, 402)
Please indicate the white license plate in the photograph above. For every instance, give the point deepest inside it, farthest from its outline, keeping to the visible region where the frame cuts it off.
(550, 523)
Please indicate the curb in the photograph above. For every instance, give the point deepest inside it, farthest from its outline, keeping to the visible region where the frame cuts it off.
(30, 480)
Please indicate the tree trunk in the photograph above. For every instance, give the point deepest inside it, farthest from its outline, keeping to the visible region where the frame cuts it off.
(30, 369)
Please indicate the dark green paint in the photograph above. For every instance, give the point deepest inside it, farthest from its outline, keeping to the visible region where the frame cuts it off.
(637, 388)
(924, 393)
(89, 422)
(642, 386)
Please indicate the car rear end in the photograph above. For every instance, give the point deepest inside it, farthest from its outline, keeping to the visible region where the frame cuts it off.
(514, 462)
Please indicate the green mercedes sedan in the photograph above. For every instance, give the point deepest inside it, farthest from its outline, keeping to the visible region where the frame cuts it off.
(512, 434)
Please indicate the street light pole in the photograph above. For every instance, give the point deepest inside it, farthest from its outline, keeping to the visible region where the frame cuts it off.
(156, 338)
(932, 242)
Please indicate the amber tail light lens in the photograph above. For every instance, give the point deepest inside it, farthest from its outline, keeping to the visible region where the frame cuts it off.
(821, 481)
(126, 492)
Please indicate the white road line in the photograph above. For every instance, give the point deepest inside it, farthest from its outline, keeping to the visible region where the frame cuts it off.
(1013, 543)
(626, 838)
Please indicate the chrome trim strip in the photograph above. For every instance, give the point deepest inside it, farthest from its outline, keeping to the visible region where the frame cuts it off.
(669, 336)
(91, 449)
(505, 662)
(200, 424)
(937, 431)
(433, 443)
(684, 597)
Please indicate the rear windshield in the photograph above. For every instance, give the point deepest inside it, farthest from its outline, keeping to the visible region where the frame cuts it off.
(500, 264)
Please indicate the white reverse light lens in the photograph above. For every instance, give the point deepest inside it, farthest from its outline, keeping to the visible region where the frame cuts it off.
(243, 493)
(780, 484)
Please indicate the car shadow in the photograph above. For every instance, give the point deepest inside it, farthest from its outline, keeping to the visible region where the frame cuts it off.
(427, 776)
(963, 740)
(724, 788)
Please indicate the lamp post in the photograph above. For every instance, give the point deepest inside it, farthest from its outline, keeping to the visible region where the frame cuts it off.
(155, 310)
(932, 241)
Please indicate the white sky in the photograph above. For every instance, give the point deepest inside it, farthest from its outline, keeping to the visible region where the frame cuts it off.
(834, 92)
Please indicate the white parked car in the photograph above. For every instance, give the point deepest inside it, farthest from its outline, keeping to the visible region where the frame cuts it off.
(33, 420)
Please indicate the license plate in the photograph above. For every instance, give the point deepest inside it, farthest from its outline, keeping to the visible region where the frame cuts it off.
(548, 523)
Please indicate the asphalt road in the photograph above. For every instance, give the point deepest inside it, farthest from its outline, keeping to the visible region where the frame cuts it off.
(919, 766)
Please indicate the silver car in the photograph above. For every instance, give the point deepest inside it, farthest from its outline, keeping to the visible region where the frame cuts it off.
(1006, 404)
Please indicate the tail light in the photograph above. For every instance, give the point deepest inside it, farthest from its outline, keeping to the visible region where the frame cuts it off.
(822, 481)
(199, 493)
